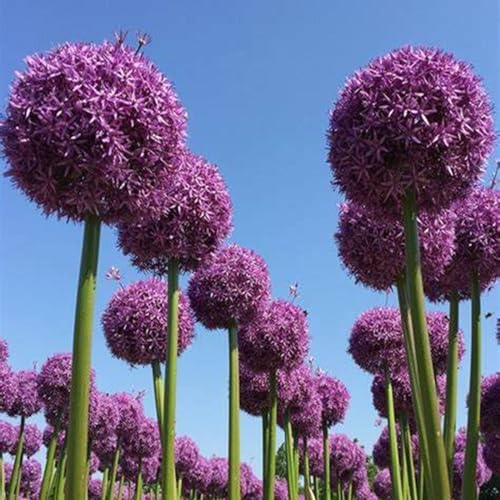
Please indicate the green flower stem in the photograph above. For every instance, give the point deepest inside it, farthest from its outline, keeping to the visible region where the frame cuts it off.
(82, 353)
(104, 484)
(49, 466)
(158, 391)
(340, 493)
(271, 456)
(469, 490)
(61, 475)
(114, 469)
(349, 491)
(121, 487)
(234, 416)
(450, 414)
(397, 491)
(179, 488)
(290, 460)
(307, 473)
(402, 460)
(138, 484)
(2, 478)
(296, 459)
(265, 439)
(16, 469)
(169, 410)
(406, 436)
(316, 488)
(436, 453)
(326, 464)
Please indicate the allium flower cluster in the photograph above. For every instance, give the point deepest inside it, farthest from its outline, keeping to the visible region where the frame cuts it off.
(27, 402)
(373, 249)
(8, 388)
(219, 473)
(483, 474)
(106, 417)
(230, 288)
(32, 440)
(346, 458)
(144, 441)
(415, 119)
(315, 454)
(47, 434)
(381, 448)
(89, 128)
(95, 489)
(254, 390)
(190, 217)
(250, 485)
(277, 338)
(4, 351)
(187, 455)
(8, 436)
(382, 484)
(131, 412)
(31, 474)
(334, 398)
(280, 489)
(198, 477)
(135, 322)
(491, 451)
(490, 403)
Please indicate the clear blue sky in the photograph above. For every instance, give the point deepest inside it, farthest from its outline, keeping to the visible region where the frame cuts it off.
(258, 79)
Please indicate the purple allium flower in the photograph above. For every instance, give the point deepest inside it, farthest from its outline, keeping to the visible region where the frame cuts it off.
(460, 440)
(490, 403)
(376, 340)
(107, 417)
(187, 455)
(32, 440)
(491, 451)
(94, 463)
(31, 474)
(381, 448)
(254, 390)
(198, 477)
(89, 128)
(144, 441)
(373, 249)
(190, 218)
(291, 386)
(47, 434)
(280, 489)
(105, 449)
(414, 119)
(131, 411)
(95, 488)
(346, 457)
(277, 338)
(135, 322)
(315, 454)
(4, 351)
(27, 402)
(334, 398)
(250, 486)
(8, 437)
(483, 474)
(230, 288)
(382, 484)
(219, 473)
(364, 493)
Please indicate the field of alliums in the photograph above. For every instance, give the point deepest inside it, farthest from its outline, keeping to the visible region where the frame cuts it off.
(96, 134)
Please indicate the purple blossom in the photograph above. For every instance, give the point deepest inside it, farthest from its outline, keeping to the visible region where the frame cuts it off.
(491, 451)
(8, 436)
(130, 410)
(144, 440)
(191, 215)
(315, 454)
(199, 476)
(4, 351)
(346, 458)
(31, 474)
(277, 338)
(113, 273)
(414, 119)
(250, 486)
(381, 450)
(187, 455)
(8, 388)
(490, 403)
(106, 417)
(334, 398)
(104, 449)
(135, 322)
(47, 434)
(230, 288)
(254, 390)
(280, 489)
(483, 474)
(94, 463)
(89, 128)
(219, 473)
(27, 402)
(382, 484)
(95, 488)
(32, 440)
(373, 249)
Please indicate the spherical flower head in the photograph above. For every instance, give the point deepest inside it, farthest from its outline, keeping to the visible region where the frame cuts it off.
(4, 351)
(144, 442)
(381, 450)
(8, 436)
(27, 402)
(230, 288)
(94, 490)
(376, 340)
(135, 322)
(373, 249)
(31, 474)
(198, 477)
(89, 128)
(250, 486)
(293, 387)
(130, 410)
(334, 398)
(490, 403)
(191, 216)
(491, 451)
(106, 417)
(187, 455)
(306, 420)
(483, 474)
(32, 440)
(219, 473)
(8, 388)
(345, 458)
(315, 454)
(415, 119)
(382, 484)
(364, 493)
(277, 338)
(254, 390)
(280, 489)
(105, 449)
(151, 468)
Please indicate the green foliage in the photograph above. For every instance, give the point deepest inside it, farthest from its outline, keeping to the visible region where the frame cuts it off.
(281, 461)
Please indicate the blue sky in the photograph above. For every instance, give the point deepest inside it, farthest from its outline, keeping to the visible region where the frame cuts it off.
(258, 79)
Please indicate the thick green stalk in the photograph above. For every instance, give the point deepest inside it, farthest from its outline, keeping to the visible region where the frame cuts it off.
(158, 391)
(296, 458)
(61, 475)
(290, 460)
(138, 483)
(2, 478)
(76, 483)
(234, 416)
(265, 440)
(121, 487)
(340, 493)
(16, 469)
(402, 460)
(104, 484)
(114, 469)
(49, 466)
(271, 457)
(179, 488)
(428, 394)
(397, 492)
(469, 491)
(406, 435)
(316, 488)
(326, 463)
(450, 414)
(307, 472)
(350, 490)
(169, 410)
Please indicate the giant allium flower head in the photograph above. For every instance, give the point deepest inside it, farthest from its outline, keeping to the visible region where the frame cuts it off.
(8, 388)
(373, 249)
(4, 351)
(382, 484)
(130, 410)
(135, 322)
(27, 401)
(32, 440)
(8, 436)
(144, 441)
(277, 338)
(89, 128)
(490, 403)
(187, 455)
(334, 398)
(414, 119)
(191, 216)
(483, 473)
(376, 340)
(107, 417)
(254, 390)
(230, 288)
(219, 473)
(346, 457)
(381, 448)
(491, 451)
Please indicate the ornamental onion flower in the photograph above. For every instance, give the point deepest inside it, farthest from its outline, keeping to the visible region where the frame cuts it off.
(490, 403)
(254, 390)
(491, 451)
(382, 484)
(4, 351)
(8, 388)
(32, 439)
(381, 454)
(8, 436)
(187, 455)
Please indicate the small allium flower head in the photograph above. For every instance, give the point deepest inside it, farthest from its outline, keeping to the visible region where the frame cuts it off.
(89, 128)
(250, 486)
(130, 410)
(8, 388)
(254, 390)
(105, 449)
(31, 474)
(199, 476)
(95, 489)
(315, 454)
(277, 338)
(190, 217)
(32, 440)
(135, 322)
(8, 436)
(483, 474)
(219, 473)
(373, 249)
(145, 440)
(280, 489)
(27, 402)
(491, 452)
(376, 340)
(346, 457)
(106, 418)
(490, 403)
(382, 484)
(187, 455)
(414, 119)
(4, 351)
(334, 398)
(47, 434)
(230, 288)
